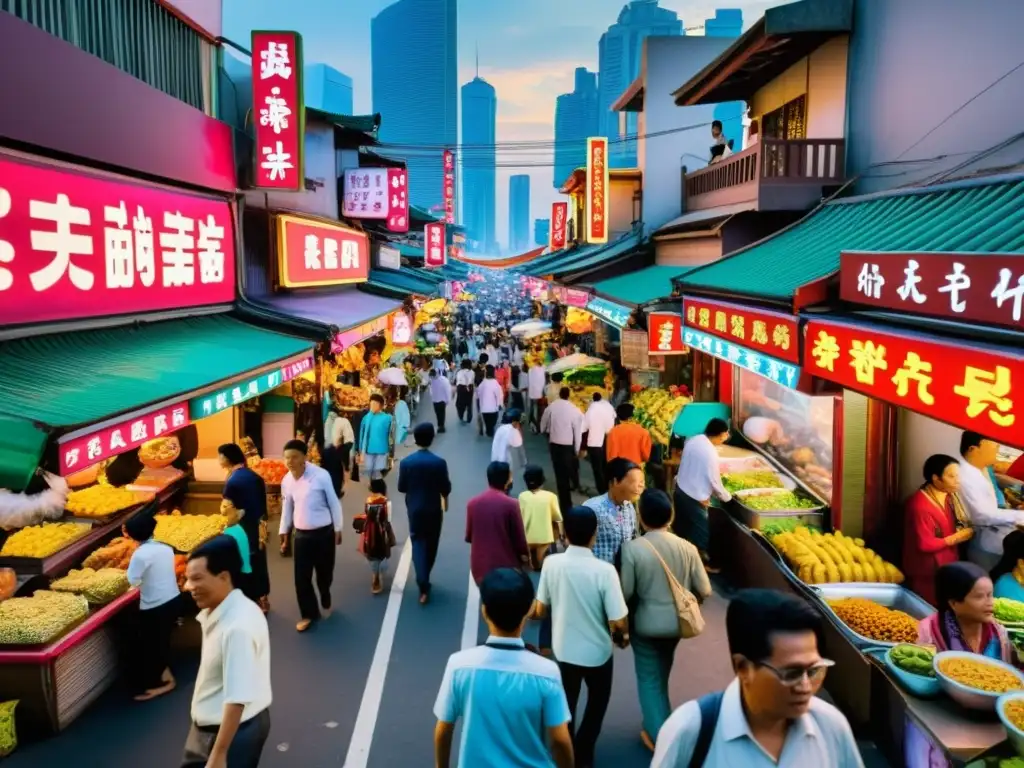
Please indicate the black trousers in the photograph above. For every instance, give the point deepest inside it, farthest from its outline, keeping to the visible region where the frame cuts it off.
(464, 403)
(424, 554)
(598, 464)
(153, 652)
(245, 749)
(439, 412)
(490, 421)
(599, 693)
(563, 461)
(314, 555)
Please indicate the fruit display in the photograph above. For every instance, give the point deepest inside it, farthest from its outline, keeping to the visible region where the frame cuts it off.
(1008, 611)
(589, 376)
(916, 659)
(271, 470)
(828, 558)
(868, 618)
(160, 452)
(775, 525)
(117, 554)
(977, 674)
(40, 619)
(180, 561)
(352, 359)
(352, 398)
(40, 541)
(656, 410)
(777, 501)
(186, 532)
(97, 586)
(101, 501)
(583, 396)
(746, 481)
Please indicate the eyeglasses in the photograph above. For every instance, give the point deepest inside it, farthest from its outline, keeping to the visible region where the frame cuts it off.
(791, 676)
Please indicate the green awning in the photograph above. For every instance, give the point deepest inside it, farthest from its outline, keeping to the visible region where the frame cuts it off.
(401, 283)
(367, 124)
(641, 286)
(583, 258)
(21, 450)
(976, 216)
(72, 379)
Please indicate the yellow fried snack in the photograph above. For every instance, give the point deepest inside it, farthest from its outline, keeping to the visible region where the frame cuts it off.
(41, 541)
(100, 501)
(41, 618)
(186, 532)
(868, 618)
(97, 586)
(980, 675)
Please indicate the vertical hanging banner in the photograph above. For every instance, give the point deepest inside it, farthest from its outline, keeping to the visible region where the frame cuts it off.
(435, 252)
(597, 190)
(278, 111)
(398, 205)
(559, 214)
(449, 187)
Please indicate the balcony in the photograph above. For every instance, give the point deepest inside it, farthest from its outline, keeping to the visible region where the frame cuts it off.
(772, 175)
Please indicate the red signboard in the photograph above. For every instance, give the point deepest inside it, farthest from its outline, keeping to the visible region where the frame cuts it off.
(559, 216)
(353, 336)
(773, 333)
(665, 334)
(278, 110)
(435, 252)
(398, 205)
(970, 387)
(77, 453)
(571, 297)
(74, 245)
(449, 186)
(315, 253)
(297, 368)
(597, 190)
(985, 288)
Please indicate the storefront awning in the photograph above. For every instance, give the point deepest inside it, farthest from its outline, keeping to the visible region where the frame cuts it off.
(401, 283)
(69, 379)
(640, 287)
(978, 215)
(587, 257)
(21, 448)
(324, 312)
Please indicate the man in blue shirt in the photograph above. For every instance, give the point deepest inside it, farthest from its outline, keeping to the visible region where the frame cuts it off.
(532, 712)
(376, 438)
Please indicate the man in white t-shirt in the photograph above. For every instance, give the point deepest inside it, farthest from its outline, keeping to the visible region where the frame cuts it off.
(489, 399)
(597, 423)
(508, 442)
(464, 384)
(536, 378)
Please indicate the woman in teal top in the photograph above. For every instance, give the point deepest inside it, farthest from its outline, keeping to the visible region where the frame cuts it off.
(1006, 584)
(402, 416)
(237, 532)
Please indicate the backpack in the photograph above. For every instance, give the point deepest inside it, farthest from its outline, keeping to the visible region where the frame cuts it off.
(691, 622)
(710, 708)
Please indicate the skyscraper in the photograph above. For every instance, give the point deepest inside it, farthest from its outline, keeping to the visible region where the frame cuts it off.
(728, 22)
(479, 177)
(413, 51)
(541, 231)
(328, 89)
(576, 120)
(618, 64)
(519, 212)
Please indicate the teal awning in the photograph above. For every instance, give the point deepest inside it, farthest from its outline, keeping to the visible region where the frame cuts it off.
(641, 286)
(403, 282)
(21, 450)
(588, 257)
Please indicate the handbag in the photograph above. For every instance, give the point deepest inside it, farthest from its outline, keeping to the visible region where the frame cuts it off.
(691, 622)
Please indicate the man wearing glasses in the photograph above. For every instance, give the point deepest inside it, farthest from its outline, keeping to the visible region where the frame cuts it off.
(769, 715)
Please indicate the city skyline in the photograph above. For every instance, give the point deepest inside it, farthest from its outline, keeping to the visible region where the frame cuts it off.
(478, 189)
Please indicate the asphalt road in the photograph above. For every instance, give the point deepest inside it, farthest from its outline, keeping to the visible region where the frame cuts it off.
(358, 690)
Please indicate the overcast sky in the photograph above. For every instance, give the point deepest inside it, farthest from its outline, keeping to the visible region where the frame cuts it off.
(528, 51)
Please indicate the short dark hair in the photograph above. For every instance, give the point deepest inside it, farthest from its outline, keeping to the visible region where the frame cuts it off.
(655, 508)
(484, 359)
(755, 615)
(935, 465)
(296, 445)
(433, 373)
(512, 416)
(141, 527)
(498, 474)
(557, 376)
(580, 525)
(423, 434)
(625, 411)
(377, 485)
(716, 124)
(489, 371)
(533, 476)
(221, 554)
(232, 453)
(375, 398)
(467, 364)
(716, 427)
(596, 397)
(507, 596)
(619, 468)
(564, 393)
(970, 440)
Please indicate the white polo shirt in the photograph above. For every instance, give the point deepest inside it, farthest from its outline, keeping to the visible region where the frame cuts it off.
(234, 667)
(582, 594)
(151, 569)
(822, 737)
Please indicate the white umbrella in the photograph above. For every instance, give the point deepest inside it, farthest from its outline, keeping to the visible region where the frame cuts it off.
(568, 363)
(536, 332)
(524, 328)
(393, 376)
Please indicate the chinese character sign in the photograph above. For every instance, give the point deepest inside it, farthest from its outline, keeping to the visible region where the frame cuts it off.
(75, 246)
(77, 453)
(571, 297)
(314, 253)
(435, 253)
(609, 311)
(296, 368)
(398, 200)
(969, 386)
(278, 110)
(773, 333)
(983, 288)
(449, 186)
(664, 334)
(238, 392)
(366, 194)
(764, 365)
(597, 190)
(559, 215)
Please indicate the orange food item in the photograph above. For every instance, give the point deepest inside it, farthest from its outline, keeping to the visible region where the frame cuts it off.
(180, 561)
(8, 583)
(271, 470)
(116, 554)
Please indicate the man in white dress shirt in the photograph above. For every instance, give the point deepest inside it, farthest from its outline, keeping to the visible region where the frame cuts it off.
(699, 480)
(231, 701)
(536, 378)
(464, 384)
(562, 422)
(489, 399)
(978, 493)
(508, 442)
(597, 423)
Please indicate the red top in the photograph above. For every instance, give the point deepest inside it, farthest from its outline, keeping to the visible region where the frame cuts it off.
(1016, 470)
(494, 531)
(924, 550)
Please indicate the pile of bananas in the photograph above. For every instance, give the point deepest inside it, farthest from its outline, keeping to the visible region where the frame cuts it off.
(351, 360)
(656, 410)
(829, 558)
(40, 541)
(583, 396)
(97, 587)
(40, 619)
(186, 532)
(100, 501)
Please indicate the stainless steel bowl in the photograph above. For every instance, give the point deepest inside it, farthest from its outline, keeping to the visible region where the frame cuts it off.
(887, 595)
(965, 695)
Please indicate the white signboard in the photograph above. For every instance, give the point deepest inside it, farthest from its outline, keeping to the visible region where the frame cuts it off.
(389, 258)
(365, 193)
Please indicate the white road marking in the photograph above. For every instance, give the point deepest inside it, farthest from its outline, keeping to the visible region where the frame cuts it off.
(471, 621)
(362, 735)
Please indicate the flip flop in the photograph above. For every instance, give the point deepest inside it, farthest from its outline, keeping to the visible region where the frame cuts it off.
(303, 625)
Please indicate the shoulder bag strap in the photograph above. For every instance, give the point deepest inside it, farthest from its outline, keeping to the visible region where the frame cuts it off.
(710, 707)
(668, 571)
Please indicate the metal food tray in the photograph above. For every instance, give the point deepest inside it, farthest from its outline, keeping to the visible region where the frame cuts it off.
(891, 596)
(752, 517)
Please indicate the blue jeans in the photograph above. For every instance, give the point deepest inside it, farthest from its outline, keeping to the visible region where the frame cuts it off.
(653, 657)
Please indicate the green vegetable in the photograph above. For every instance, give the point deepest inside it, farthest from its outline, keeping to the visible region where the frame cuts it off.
(742, 481)
(777, 500)
(914, 659)
(784, 525)
(1012, 762)
(1008, 610)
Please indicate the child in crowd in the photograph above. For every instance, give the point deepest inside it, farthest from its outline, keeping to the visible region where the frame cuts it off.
(377, 536)
(235, 530)
(541, 515)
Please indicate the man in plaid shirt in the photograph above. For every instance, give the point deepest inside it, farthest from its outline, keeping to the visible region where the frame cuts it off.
(616, 515)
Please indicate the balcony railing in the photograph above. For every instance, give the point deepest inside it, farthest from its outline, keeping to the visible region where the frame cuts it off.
(774, 174)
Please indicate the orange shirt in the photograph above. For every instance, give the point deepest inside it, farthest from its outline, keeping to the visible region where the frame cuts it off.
(628, 441)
